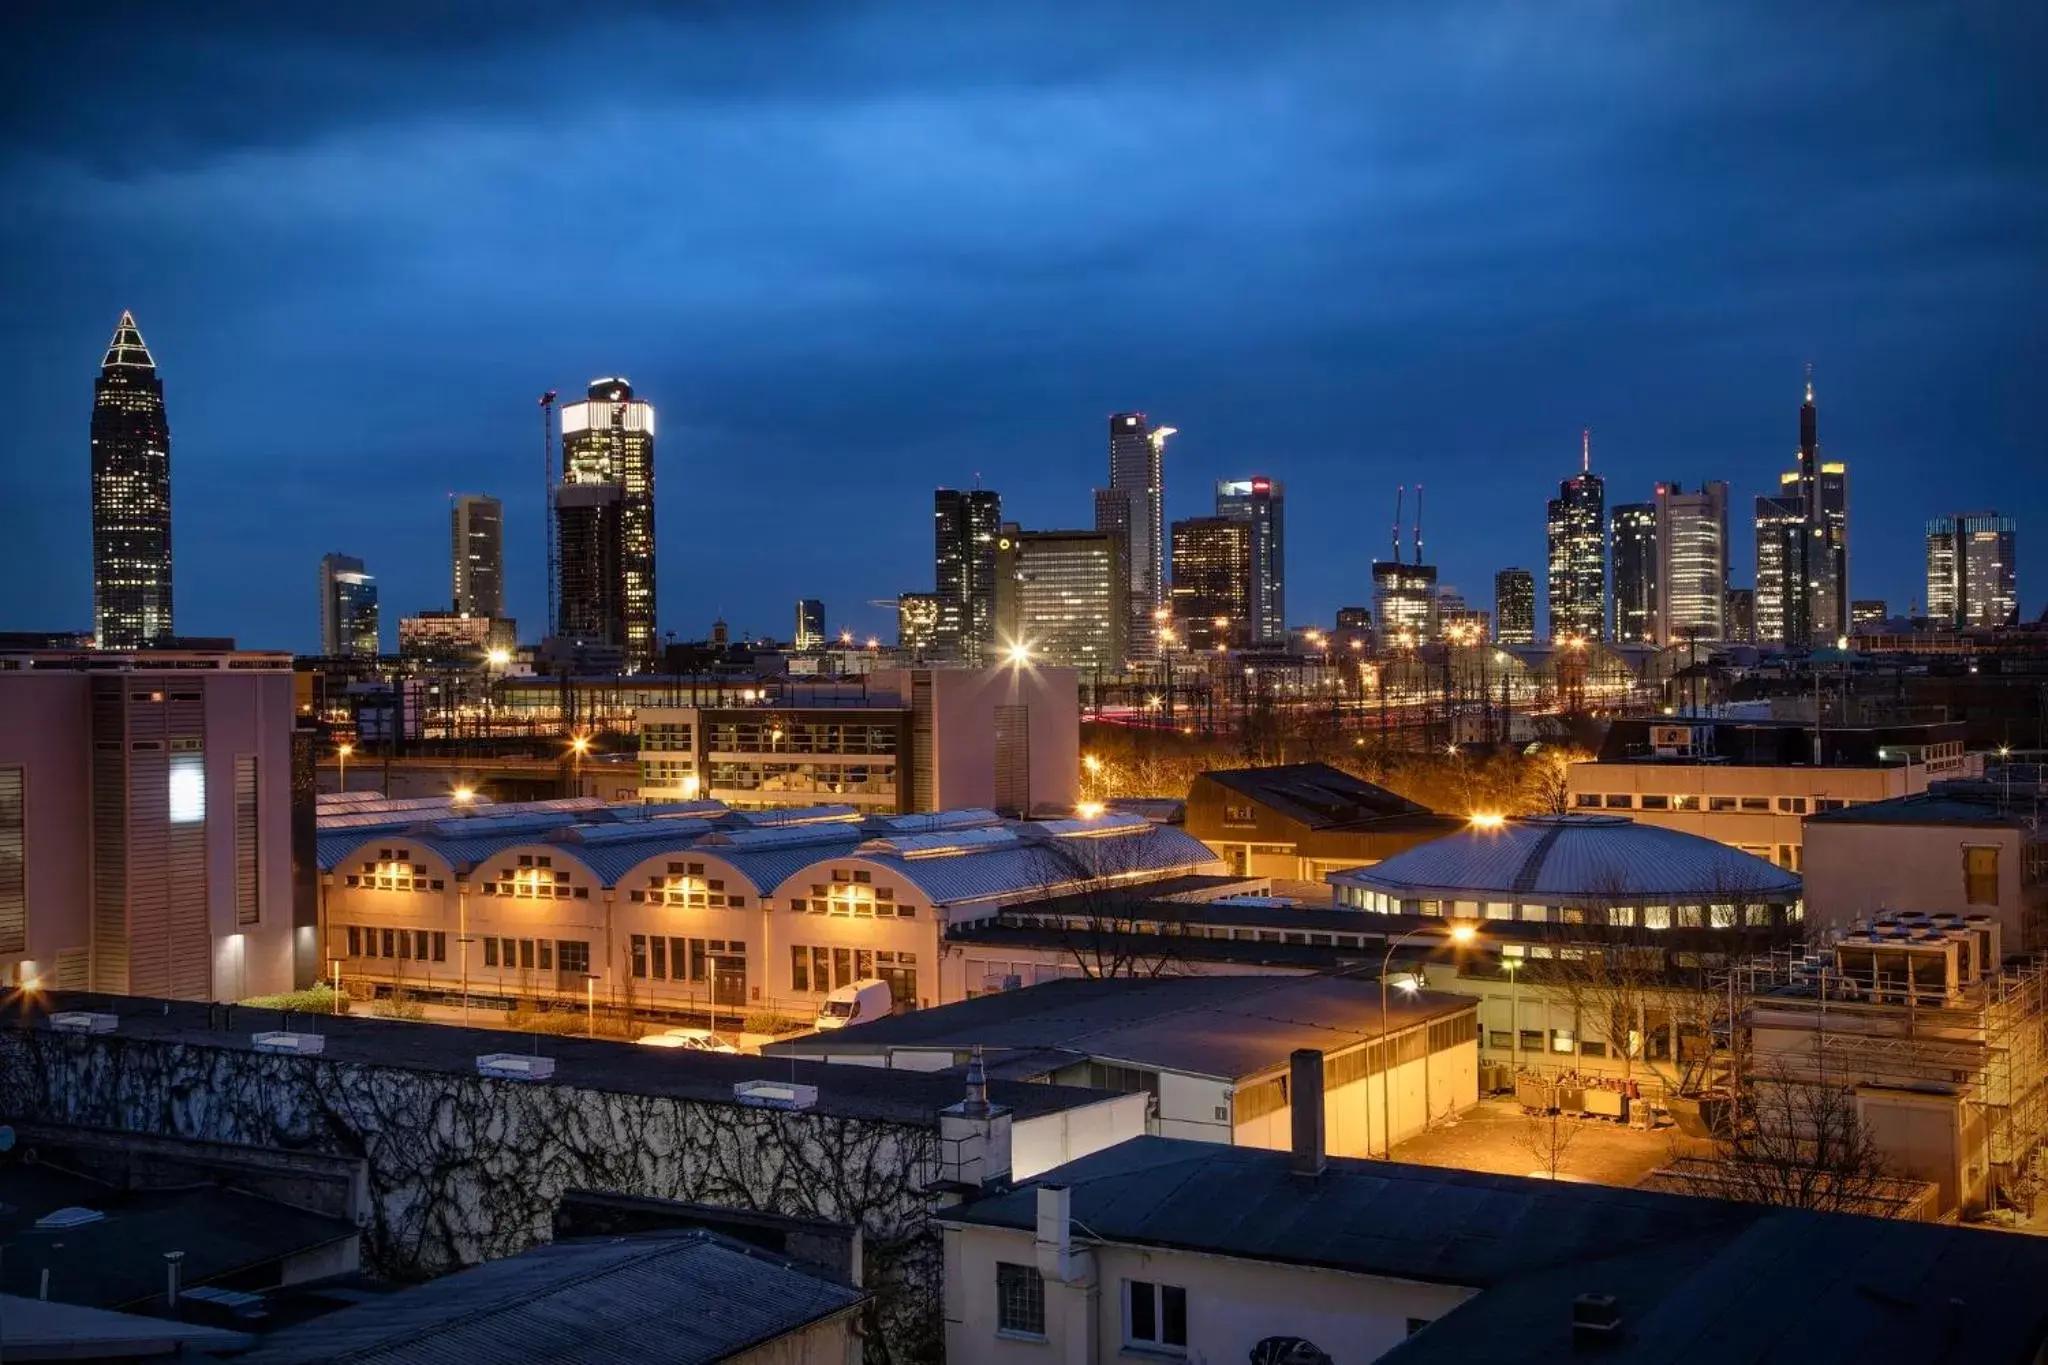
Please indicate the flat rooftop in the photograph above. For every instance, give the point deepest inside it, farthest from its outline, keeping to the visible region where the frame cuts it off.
(596, 1064)
(1982, 805)
(1227, 1027)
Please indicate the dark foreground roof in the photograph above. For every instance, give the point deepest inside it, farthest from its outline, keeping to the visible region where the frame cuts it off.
(1696, 1279)
(118, 1260)
(1230, 1027)
(1982, 805)
(595, 1064)
(659, 1298)
(1323, 797)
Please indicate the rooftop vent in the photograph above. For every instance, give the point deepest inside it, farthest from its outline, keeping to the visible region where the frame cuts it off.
(83, 1021)
(1596, 1321)
(775, 1095)
(73, 1217)
(515, 1066)
(304, 1044)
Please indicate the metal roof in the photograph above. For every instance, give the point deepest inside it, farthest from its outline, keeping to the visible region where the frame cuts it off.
(1553, 857)
(1317, 795)
(668, 1298)
(930, 821)
(1228, 1027)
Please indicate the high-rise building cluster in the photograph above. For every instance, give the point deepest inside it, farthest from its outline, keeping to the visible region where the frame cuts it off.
(1971, 576)
(1576, 522)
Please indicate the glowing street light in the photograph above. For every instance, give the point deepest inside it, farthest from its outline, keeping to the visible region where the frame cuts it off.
(1089, 810)
(1019, 652)
(499, 657)
(1486, 819)
(1091, 763)
(464, 794)
(341, 752)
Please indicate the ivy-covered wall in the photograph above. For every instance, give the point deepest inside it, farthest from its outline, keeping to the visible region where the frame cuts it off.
(463, 1169)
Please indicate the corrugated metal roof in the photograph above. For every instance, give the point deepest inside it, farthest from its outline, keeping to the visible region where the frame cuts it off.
(942, 844)
(801, 815)
(1560, 856)
(964, 818)
(669, 1298)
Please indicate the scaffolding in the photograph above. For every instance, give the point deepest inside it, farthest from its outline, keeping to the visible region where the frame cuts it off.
(1897, 1006)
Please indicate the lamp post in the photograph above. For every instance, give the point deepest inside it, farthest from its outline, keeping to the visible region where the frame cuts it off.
(589, 1005)
(341, 753)
(1458, 933)
(496, 659)
(578, 747)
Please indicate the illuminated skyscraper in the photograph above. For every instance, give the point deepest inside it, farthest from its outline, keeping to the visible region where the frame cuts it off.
(604, 513)
(1133, 508)
(1263, 503)
(1739, 616)
(1404, 595)
(810, 624)
(1577, 524)
(131, 496)
(1213, 571)
(1057, 597)
(1514, 606)
(1781, 527)
(964, 530)
(1830, 558)
(476, 532)
(1692, 563)
(348, 609)
(1634, 533)
(1802, 545)
(917, 621)
(1972, 577)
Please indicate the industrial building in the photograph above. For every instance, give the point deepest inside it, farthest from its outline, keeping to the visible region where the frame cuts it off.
(1300, 821)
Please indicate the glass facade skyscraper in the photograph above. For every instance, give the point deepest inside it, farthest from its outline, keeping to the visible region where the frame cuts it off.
(1972, 575)
(1577, 523)
(1262, 503)
(131, 496)
(348, 609)
(1692, 563)
(1133, 509)
(1057, 594)
(1514, 607)
(965, 524)
(1633, 531)
(1214, 562)
(604, 515)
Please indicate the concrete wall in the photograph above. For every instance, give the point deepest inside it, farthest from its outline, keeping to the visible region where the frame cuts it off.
(1232, 1304)
(1854, 871)
(1039, 1144)
(1437, 1086)
(963, 732)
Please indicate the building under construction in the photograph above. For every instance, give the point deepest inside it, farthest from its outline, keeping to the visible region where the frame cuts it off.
(1937, 1036)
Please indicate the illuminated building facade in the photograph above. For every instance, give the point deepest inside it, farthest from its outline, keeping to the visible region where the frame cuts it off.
(1867, 615)
(131, 496)
(1740, 616)
(1972, 578)
(476, 534)
(1831, 553)
(810, 624)
(1061, 595)
(454, 638)
(1133, 509)
(917, 621)
(1404, 600)
(1577, 524)
(1213, 571)
(1514, 606)
(965, 525)
(604, 515)
(1692, 563)
(348, 609)
(1261, 502)
(1780, 525)
(1634, 535)
(1802, 546)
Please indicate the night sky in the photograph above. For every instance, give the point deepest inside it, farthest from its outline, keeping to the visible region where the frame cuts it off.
(853, 251)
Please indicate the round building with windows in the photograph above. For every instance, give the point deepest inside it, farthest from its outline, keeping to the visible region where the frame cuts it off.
(1587, 870)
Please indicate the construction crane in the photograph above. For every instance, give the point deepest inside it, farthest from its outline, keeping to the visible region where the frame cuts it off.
(551, 553)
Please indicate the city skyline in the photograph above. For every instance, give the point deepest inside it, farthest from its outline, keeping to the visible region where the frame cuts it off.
(774, 344)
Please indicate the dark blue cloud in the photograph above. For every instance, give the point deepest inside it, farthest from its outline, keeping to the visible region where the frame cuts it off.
(856, 250)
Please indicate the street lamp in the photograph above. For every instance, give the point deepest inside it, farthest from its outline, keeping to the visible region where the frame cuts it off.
(341, 752)
(464, 794)
(579, 746)
(1458, 933)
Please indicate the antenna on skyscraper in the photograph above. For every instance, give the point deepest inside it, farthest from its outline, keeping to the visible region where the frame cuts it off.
(1418, 526)
(547, 502)
(1400, 491)
(1586, 450)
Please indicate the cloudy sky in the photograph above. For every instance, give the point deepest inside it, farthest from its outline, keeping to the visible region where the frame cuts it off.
(856, 250)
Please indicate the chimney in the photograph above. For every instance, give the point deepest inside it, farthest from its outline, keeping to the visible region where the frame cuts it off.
(974, 1136)
(172, 1263)
(1055, 1233)
(1596, 1322)
(1305, 1095)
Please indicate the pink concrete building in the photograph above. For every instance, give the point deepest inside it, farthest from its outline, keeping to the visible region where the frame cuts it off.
(145, 823)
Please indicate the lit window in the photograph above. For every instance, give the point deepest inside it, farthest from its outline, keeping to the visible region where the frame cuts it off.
(188, 789)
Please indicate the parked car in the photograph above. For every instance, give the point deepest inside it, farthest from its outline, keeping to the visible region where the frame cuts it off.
(858, 1002)
(693, 1039)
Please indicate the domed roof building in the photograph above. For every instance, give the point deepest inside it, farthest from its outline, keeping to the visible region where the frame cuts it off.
(1577, 869)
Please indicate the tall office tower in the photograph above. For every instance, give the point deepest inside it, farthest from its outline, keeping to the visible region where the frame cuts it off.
(1514, 607)
(1867, 615)
(1739, 613)
(604, 517)
(131, 496)
(1829, 561)
(1404, 595)
(1263, 503)
(1059, 598)
(1578, 552)
(348, 609)
(1214, 566)
(1692, 563)
(1133, 508)
(1633, 531)
(1972, 575)
(1781, 528)
(965, 525)
(476, 534)
(810, 623)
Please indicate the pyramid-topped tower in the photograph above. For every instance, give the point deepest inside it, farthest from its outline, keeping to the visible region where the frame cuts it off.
(131, 496)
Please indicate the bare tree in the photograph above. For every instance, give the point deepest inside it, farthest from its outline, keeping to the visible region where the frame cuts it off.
(1546, 783)
(1548, 1137)
(1100, 916)
(1798, 1142)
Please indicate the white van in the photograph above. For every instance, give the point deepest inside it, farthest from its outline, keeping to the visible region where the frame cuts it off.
(857, 1003)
